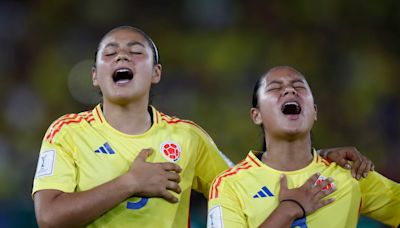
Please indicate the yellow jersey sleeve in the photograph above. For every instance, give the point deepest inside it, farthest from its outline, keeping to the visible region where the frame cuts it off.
(56, 166)
(226, 210)
(210, 163)
(380, 199)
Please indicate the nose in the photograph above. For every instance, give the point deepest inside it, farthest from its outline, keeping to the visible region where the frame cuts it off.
(289, 90)
(122, 56)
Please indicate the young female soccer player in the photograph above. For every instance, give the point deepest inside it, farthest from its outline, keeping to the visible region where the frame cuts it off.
(93, 170)
(274, 188)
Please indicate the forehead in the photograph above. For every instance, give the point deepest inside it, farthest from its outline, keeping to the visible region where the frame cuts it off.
(284, 74)
(123, 36)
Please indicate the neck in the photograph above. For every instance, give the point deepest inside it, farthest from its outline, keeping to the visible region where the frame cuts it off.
(288, 155)
(132, 118)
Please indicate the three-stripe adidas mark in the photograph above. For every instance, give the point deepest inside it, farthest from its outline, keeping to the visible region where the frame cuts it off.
(264, 192)
(105, 149)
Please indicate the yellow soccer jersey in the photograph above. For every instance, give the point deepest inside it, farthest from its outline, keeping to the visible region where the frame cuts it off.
(246, 194)
(82, 151)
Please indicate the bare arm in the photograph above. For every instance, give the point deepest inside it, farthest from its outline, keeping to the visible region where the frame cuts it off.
(55, 208)
(308, 198)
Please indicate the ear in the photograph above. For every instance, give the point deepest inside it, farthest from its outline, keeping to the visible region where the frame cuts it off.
(156, 77)
(94, 77)
(315, 112)
(255, 115)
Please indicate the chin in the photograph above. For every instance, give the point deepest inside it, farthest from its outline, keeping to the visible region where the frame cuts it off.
(294, 133)
(120, 99)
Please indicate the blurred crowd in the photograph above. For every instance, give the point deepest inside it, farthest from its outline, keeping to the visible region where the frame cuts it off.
(212, 52)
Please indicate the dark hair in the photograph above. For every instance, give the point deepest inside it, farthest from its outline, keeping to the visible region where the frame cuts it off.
(255, 105)
(255, 92)
(156, 54)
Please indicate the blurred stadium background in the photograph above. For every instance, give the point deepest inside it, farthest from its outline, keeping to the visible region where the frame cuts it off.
(212, 53)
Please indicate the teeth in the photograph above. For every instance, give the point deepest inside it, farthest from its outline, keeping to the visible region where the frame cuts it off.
(291, 103)
(123, 70)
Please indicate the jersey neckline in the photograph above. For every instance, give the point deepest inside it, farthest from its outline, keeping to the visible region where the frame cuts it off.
(99, 116)
(251, 157)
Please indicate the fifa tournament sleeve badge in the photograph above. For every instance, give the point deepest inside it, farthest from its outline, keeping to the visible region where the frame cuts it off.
(214, 218)
(171, 151)
(45, 165)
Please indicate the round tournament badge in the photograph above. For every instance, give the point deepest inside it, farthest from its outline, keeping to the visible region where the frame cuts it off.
(171, 151)
(322, 178)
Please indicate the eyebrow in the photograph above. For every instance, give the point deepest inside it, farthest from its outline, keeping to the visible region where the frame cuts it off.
(130, 44)
(274, 82)
(297, 80)
(280, 82)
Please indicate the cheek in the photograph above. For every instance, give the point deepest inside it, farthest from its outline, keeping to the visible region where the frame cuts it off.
(140, 58)
(103, 68)
(146, 67)
(103, 60)
(101, 77)
(267, 109)
(311, 113)
(101, 63)
(99, 70)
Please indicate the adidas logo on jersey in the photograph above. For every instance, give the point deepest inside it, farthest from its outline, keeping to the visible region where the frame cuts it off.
(105, 149)
(264, 192)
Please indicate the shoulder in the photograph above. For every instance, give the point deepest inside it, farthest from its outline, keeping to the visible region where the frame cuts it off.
(177, 122)
(66, 122)
(243, 169)
(331, 167)
(375, 180)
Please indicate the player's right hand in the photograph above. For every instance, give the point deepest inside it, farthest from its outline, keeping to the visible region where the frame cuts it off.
(309, 195)
(154, 179)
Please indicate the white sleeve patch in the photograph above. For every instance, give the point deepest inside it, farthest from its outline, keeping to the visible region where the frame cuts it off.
(45, 164)
(214, 218)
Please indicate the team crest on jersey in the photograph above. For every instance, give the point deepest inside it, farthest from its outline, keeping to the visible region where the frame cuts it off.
(322, 178)
(171, 151)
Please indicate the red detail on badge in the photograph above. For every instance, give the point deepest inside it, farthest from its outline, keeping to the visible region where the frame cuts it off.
(171, 151)
(319, 181)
